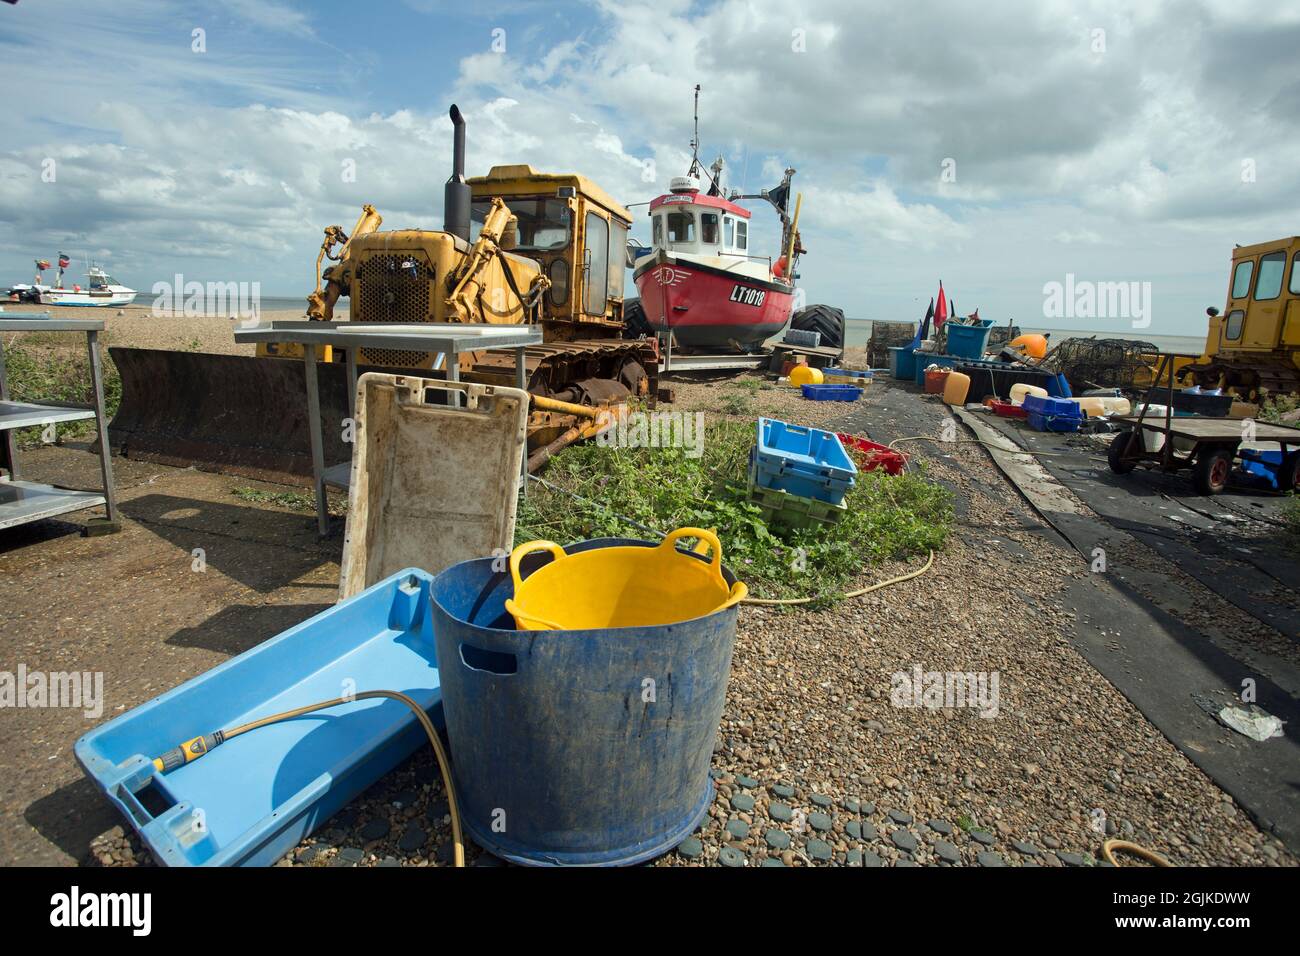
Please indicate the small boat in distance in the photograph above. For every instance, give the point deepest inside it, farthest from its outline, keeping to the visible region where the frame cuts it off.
(101, 289)
(700, 279)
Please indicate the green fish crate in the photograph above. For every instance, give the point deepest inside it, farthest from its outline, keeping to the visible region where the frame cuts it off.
(784, 510)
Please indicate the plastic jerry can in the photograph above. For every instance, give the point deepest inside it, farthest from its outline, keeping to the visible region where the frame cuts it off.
(956, 388)
(1021, 389)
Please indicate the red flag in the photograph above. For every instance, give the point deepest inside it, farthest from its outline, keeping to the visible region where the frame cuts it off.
(941, 309)
(64, 261)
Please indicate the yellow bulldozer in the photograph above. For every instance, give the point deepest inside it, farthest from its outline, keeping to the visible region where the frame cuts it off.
(517, 247)
(1253, 346)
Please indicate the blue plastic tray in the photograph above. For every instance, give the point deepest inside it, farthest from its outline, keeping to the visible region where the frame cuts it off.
(766, 475)
(254, 797)
(810, 451)
(831, 393)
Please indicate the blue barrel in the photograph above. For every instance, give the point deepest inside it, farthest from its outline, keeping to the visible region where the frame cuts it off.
(576, 748)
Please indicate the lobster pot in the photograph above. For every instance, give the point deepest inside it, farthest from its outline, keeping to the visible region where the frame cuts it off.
(577, 747)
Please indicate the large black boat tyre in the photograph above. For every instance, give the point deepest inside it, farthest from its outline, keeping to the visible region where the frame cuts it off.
(826, 319)
(634, 320)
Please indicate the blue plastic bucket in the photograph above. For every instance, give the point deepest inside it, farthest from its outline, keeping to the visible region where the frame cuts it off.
(577, 748)
(968, 341)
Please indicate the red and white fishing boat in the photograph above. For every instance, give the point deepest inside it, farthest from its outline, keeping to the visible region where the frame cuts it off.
(700, 279)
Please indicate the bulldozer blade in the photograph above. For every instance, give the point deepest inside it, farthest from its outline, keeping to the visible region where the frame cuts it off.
(234, 414)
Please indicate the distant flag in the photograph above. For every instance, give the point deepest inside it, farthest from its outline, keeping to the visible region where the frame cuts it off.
(42, 264)
(941, 310)
(924, 327)
(64, 261)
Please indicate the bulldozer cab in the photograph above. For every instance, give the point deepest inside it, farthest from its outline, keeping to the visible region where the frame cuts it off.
(575, 232)
(1263, 306)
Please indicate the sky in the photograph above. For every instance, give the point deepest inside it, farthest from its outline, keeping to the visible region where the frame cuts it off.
(996, 147)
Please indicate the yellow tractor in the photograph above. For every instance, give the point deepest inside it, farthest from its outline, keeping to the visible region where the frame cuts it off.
(1253, 347)
(517, 247)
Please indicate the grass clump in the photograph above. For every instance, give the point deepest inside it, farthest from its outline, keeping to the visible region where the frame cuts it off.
(663, 489)
(58, 375)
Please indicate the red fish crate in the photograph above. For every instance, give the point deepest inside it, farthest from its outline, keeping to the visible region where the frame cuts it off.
(877, 456)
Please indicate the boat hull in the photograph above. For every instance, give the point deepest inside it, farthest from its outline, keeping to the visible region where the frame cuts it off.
(709, 308)
(72, 297)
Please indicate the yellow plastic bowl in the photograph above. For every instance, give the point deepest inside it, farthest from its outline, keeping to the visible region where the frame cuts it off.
(621, 586)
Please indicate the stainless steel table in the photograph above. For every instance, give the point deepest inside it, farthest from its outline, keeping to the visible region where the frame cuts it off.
(24, 501)
(446, 341)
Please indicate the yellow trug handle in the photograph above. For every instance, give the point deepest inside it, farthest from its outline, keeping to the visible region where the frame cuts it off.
(704, 534)
(519, 553)
(739, 591)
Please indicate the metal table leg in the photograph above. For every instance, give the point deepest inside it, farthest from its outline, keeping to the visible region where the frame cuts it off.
(521, 382)
(317, 439)
(453, 375)
(105, 453)
(8, 448)
(352, 384)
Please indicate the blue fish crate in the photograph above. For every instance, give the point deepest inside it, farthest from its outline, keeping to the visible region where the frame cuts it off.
(831, 393)
(968, 341)
(807, 462)
(254, 797)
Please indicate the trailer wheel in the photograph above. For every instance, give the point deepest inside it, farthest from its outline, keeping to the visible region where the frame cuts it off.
(1212, 470)
(826, 319)
(1115, 454)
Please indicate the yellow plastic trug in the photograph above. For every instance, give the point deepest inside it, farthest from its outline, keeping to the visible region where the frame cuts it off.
(805, 375)
(622, 586)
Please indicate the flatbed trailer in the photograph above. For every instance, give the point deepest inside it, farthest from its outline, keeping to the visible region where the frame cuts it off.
(1208, 446)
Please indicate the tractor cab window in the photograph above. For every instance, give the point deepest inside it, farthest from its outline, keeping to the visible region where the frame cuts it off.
(544, 224)
(1241, 277)
(709, 228)
(1232, 330)
(681, 228)
(597, 270)
(1272, 267)
(1295, 275)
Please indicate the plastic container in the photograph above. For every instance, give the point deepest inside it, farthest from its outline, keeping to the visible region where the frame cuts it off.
(877, 456)
(902, 362)
(259, 794)
(1090, 407)
(1007, 409)
(784, 511)
(431, 484)
(956, 388)
(805, 375)
(1053, 414)
(809, 451)
(577, 747)
(935, 379)
(968, 341)
(830, 489)
(846, 376)
(1020, 390)
(620, 587)
(831, 393)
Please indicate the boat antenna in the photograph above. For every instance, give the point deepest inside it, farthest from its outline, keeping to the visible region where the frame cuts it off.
(696, 169)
